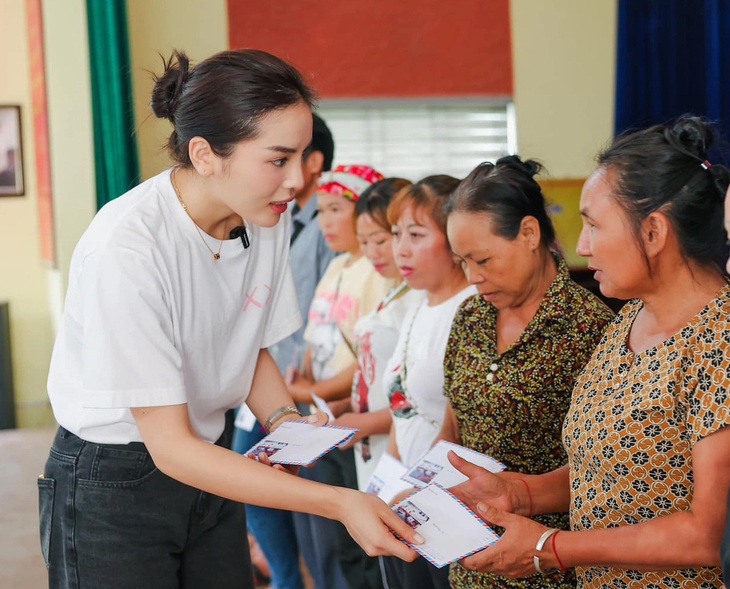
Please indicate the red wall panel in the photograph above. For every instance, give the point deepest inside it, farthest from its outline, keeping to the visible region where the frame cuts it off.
(384, 48)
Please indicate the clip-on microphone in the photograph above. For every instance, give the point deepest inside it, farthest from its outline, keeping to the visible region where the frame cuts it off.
(240, 231)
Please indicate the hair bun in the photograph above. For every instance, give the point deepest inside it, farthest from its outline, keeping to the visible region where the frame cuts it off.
(169, 86)
(721, 176)
(691, 135)
(530, 168)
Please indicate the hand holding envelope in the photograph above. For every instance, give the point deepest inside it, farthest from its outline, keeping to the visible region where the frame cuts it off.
(298, 443)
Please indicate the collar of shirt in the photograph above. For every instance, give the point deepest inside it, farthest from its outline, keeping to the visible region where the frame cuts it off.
(306, 214)
(553, 309)
(554, 305)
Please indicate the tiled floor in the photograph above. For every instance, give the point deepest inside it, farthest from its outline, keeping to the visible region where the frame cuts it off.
(22, 457)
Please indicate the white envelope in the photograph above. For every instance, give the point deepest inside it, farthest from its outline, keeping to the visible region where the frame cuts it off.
(434, 466)
(450, 529)
(294, 442)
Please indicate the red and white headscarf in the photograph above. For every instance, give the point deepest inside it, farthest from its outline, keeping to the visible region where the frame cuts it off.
(348, 181)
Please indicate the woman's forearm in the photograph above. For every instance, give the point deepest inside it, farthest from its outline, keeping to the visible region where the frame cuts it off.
(268, 390)
(337, 387)
(181, 454)
(541, 494)
(392, 443)
(368, 423)
(670, 542)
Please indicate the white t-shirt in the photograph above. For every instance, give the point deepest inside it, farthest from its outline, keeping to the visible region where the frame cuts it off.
(348, 291)
(376, 336)
(152, 320)
(425, 331)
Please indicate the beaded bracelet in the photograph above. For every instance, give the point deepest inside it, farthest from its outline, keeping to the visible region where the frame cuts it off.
(278, 414)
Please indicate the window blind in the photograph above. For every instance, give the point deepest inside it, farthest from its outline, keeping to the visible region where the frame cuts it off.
(413, 139)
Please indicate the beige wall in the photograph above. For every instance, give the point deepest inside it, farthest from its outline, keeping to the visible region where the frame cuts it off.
(23, 280)
(35, 291)
(564, 55)
(156, 28)
(71, 133)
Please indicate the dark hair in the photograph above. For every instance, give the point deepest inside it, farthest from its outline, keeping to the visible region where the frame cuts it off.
(322, 141)
(223, 98)
(428, 195)
(508, 192)
(663, 168)
(375, 199)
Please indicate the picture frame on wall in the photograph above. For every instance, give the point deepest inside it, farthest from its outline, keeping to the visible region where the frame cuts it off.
(11, 152)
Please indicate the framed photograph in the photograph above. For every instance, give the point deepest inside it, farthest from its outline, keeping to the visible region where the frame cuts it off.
(11, 152)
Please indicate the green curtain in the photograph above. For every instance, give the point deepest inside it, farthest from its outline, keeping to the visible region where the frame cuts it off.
(115, 149)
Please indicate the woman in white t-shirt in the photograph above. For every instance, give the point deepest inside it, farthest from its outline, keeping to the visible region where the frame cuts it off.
(414, 376)
(376, 334)
(349, 289)
(165, 328)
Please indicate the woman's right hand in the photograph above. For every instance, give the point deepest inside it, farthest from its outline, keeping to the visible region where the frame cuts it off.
(371, 523)
(484, 487)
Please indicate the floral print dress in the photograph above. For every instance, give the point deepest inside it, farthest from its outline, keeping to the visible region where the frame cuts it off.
(512, 406)
(633, 422)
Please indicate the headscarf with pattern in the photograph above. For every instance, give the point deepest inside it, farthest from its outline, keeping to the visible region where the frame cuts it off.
(348, 181)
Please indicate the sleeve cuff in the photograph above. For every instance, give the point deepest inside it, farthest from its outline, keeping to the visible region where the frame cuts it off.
(282, 331)
(134, 398)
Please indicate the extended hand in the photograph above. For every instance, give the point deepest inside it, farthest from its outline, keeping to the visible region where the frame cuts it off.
(512, 555)
(370, 521)
(318, 418)
(482, 486)
(263, 458)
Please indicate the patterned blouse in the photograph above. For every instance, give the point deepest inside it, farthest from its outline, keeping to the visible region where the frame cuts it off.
(633, 422)
(512, 406)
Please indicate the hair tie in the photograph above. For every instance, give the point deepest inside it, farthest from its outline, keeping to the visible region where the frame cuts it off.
(706, 165)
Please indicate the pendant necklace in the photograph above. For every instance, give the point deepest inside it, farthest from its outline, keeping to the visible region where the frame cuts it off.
(216, 255)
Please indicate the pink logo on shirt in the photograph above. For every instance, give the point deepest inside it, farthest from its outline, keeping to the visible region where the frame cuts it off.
(257, 302)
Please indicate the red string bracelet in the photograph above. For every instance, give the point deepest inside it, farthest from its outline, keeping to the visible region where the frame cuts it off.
(529, 495)
(555, 552)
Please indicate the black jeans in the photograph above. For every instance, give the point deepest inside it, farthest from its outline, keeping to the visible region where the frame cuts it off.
(110, 519)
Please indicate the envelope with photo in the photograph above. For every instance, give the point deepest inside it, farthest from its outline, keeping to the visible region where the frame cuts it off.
(386, 482)
(294, 442)
(434, 466)
(450, 529)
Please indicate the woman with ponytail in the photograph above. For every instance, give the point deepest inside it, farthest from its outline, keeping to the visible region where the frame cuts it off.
(648, 469)
(176, 290)
(516, 348)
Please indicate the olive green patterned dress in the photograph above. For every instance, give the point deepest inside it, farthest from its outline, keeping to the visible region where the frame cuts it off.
(512, 406)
